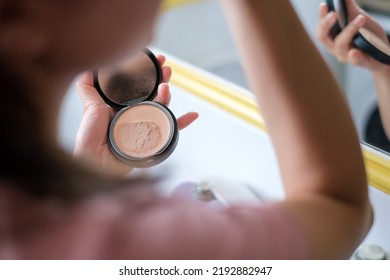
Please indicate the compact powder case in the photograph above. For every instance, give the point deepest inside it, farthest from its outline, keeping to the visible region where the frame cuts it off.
(143, 133)
(365, 40)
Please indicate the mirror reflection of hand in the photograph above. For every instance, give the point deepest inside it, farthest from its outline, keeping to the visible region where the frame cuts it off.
(340, 46)
(91, 141)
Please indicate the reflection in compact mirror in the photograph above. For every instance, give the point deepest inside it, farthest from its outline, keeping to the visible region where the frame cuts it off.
(131, 81)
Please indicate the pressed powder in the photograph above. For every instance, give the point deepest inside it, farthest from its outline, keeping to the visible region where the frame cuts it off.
(142, 131)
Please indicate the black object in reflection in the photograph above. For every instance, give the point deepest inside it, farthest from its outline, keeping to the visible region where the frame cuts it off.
(366, 40)
(129, 82)
(375, 134)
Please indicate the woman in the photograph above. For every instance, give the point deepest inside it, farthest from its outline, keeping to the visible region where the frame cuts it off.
(56, 207)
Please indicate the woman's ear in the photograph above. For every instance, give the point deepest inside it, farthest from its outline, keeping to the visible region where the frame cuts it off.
(20, 36)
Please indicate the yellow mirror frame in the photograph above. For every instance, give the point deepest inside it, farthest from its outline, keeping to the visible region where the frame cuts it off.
(242, 104)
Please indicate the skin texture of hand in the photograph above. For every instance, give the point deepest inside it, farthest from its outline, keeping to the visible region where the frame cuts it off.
(340, 47)
(91, 141)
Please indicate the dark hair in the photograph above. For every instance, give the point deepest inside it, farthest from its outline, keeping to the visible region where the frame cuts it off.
(32, 164)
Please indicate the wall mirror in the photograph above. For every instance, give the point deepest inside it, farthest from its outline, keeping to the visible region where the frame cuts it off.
(209, 46)
(369, 114)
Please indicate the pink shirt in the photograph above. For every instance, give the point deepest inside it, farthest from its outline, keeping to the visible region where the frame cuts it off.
(138, 224)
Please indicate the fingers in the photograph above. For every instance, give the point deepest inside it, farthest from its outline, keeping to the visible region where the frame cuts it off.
(166, 70)
(86, 79)
(343, 41)
(163, 95)
(166, 74)
(327, 21)
(187, 119)
(96, 118)
(89, 96)
(323, 10)
(161, 59)
(341, 45)
(358, 58)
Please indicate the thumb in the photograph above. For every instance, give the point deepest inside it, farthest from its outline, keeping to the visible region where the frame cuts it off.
(89, 96)
(97, 115)
(358, 58)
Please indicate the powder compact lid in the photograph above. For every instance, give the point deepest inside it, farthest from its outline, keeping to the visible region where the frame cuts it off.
(129, 82)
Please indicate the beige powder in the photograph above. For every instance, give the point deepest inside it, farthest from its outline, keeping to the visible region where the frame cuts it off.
(142, 131)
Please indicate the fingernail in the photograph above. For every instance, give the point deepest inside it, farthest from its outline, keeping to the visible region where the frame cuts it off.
(322, 7)
(164, 85)
(359, 20)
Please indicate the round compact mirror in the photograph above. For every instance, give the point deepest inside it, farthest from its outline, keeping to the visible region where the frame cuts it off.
(129, 82)
(143, 133)
(365, 40)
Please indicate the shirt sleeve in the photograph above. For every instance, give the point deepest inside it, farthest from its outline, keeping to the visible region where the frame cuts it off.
(172, 229)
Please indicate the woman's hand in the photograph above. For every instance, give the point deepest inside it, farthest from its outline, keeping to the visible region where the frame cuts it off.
(91, 140)
(340, 46)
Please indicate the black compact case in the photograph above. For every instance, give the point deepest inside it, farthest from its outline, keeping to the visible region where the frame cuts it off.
(130, 84)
